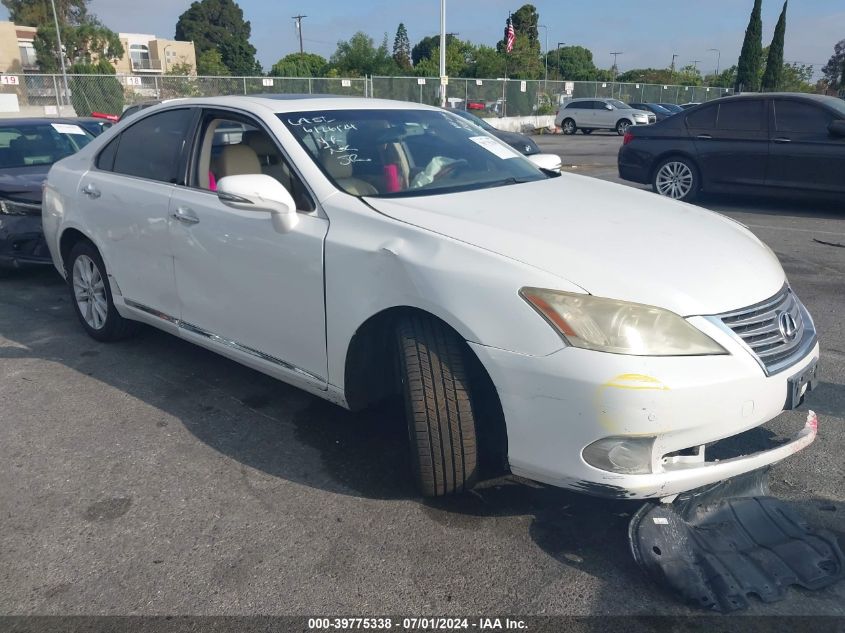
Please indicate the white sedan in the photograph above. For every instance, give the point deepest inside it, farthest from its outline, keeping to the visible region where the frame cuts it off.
(576, 332)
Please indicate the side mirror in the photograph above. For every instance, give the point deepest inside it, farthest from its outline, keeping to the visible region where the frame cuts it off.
(607, 106)
(837, 128)
(260, 193)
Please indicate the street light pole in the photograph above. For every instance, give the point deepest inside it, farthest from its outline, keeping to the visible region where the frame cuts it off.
(718, 60)
(546, 58)
(560, 77)
(61, 51)
(442, 52)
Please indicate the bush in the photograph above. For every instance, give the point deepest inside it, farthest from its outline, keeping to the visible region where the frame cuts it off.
(94, 88)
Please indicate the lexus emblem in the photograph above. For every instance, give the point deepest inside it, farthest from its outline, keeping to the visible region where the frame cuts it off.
(787, 326)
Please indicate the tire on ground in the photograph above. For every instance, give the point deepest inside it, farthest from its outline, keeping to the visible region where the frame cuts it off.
(568, 126)
(439, 412)
(116, 327)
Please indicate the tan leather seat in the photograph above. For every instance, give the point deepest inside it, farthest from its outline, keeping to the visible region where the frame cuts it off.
(268, 156)
(342, 175)
(236, 160)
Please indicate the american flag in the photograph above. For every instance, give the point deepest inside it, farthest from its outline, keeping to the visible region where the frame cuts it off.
(510, 36)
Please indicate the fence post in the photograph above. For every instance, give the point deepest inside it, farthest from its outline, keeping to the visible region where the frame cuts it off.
(244, 85)
(58, 102)
(158, 90)
(310, 91)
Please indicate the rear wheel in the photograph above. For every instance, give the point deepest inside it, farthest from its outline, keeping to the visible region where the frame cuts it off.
(91, 295)
(676, 178)
(439, 412)
(569, 126)
(622, 127)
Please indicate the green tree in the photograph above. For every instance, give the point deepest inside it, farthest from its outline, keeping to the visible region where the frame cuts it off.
(725, 79)
(648, 76)
(360, 56)
(300, 65)
(425, 47)
(87, 44)
(689, 75)
(572, 63)
(91, 92)
(751, 56)
(40, 12)
(220, 24)
(834, 69)
(774, 60)
(402, 48)
(210, 64)
(487, 62)
(459, 60)
(525, 21)
(797, 78)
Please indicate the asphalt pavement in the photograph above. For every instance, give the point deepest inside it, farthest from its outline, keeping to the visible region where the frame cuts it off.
(154, 477)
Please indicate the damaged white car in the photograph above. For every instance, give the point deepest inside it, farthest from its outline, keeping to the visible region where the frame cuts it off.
(577, 332)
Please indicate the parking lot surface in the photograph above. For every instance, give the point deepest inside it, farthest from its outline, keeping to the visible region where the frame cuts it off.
(154, 477)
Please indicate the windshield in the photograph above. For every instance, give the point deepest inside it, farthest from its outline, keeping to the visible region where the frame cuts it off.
(39, 143)
(671, 107)
(837, 104)
(618, 104)
(392, 153)
(659, 108)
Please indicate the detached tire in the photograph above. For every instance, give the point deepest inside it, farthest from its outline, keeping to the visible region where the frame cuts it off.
(91, 295)
(441, 423)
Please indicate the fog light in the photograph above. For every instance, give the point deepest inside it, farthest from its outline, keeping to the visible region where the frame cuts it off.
(628, 455)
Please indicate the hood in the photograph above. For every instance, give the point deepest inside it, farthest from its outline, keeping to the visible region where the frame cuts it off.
(518, 141)
(23, 183)
(611, 240)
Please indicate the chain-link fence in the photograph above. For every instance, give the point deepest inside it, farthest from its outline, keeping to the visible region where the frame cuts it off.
(48, 95)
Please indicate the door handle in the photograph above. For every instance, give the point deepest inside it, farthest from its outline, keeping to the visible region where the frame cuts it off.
(781, 140)
(185, 215)
(91, 191)
(704, 137)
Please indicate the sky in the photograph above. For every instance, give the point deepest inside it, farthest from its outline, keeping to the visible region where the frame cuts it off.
(648, 32)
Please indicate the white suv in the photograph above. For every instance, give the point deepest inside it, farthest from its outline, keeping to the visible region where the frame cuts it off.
(600, 114)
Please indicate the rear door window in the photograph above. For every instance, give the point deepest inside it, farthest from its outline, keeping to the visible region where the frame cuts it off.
(745, 115)
(152, 147)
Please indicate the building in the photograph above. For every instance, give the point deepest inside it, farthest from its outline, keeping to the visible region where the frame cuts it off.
(143, 54)
(148, 55)
(17, 54)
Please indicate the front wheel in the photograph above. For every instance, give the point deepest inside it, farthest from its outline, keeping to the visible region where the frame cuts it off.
(569, 126)
(439, 412)
(676, 178)
(622, 127)
(91, 295)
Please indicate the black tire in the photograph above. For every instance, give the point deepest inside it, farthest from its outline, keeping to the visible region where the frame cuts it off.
(622, 126)
(438, 406)
(115, 326)
(695, 178)
(586, 131)
(568, 126)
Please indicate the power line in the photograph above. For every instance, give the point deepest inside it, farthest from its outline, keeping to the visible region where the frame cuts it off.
(298, 19)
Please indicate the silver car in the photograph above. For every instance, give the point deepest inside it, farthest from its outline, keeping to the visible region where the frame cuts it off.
(600, 114)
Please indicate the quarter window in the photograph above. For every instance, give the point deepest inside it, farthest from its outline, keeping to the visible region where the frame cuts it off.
(152, 147)
(741, 115)
(794, 116)
(703, 118)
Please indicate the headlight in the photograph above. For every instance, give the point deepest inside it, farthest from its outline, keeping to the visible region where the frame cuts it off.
(619, 327)
(9, 207)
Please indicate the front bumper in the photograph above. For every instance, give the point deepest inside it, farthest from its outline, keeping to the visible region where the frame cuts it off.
(22, 241)
(557, 405)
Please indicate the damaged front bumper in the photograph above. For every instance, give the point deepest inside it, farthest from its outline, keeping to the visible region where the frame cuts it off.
(558, 408)
(22, 241)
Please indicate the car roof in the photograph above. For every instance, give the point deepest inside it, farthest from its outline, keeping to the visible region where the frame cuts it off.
(297, 103)
(796, 95)
(37, 121)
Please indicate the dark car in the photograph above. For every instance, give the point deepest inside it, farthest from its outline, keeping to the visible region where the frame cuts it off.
(773, 143)
(28, 147)
(674, 108)
(137, 107)
(519, 142)
(659, 111)
(93, 125)
(687, 106)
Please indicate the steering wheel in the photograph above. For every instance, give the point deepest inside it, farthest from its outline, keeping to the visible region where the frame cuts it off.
(451, 170)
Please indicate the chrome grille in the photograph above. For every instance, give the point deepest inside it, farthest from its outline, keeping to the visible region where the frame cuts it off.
(765, 329)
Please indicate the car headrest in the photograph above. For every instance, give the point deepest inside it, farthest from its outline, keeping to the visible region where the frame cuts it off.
(260, 142)
(238, 159)
(334, 166)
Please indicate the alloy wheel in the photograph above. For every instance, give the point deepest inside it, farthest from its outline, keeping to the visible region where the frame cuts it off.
(89, 290)
(674, 180)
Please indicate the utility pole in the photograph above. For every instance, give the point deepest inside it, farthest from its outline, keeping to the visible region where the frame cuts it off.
(672, 67)
(298, 19)
(718, 59)
(443, 53)
(546, 59)
(615, 67)
(695, 63)
(61, 52)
